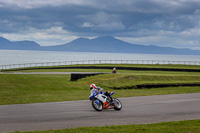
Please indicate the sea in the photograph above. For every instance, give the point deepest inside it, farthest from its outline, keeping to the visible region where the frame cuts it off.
(23, 56)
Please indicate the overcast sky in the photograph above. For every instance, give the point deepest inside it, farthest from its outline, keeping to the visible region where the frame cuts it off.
(174, 23)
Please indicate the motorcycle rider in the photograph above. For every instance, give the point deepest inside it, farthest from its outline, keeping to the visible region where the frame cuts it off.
(95, 90)
(114, 70)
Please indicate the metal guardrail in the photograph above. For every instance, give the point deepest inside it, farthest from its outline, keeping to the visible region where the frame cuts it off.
(44, 64)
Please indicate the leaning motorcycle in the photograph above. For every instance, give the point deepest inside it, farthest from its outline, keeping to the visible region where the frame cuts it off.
(105, 101)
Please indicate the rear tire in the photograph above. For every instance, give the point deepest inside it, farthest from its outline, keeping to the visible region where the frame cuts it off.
(97, 105)
(117, 104)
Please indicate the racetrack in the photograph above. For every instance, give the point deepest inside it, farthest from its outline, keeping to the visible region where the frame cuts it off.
(69, 114)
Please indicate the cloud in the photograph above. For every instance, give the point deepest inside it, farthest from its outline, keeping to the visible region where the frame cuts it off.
(102, 21)
(29, 4)
(87, 24)
(113, 26)
(158, 22)
(162, 38)
(45, 37)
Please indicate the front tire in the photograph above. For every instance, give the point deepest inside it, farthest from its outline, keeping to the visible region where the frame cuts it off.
(117, 104)
(97, 105)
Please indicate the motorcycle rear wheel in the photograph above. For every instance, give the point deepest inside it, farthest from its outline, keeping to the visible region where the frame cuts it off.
(97, 105)
(117, 104)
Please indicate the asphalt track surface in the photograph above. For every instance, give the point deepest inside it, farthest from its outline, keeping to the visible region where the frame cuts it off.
(70, 114)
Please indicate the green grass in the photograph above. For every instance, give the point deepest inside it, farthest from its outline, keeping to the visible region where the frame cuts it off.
(187, 126)
(116, 65)
(22, 89)
(109, 71)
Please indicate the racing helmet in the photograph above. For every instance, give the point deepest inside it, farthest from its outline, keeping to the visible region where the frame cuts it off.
(92, 86)
(107, 93)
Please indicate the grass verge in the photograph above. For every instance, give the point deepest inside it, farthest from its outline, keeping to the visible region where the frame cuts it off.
(187, 126)
(59, 68)
(22, 89)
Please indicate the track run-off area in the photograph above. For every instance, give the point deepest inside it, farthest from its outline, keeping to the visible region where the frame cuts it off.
(71, 114)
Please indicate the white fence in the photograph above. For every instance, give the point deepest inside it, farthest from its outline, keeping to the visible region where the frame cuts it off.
(44, 64)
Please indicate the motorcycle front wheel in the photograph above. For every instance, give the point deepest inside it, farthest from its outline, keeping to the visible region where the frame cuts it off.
(117, 104)
(97, 105)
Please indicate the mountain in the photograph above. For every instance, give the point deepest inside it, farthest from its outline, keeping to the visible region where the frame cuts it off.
(4, 43)
(106, 44)
(19, 45)
(78, 45)
(109, 44)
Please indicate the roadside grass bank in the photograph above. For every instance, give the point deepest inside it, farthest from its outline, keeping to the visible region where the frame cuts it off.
(155, 67)
(187, 126)
(23, 89)
(108, 71)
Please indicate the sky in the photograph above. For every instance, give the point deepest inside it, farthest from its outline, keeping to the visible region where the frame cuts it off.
(167, 23)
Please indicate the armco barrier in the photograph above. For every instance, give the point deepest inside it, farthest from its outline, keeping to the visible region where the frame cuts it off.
(118, 68)
(148, 86)
(45, 64)
(76, 76)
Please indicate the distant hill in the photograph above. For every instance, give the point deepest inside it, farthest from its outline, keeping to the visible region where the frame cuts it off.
(19, 45)
(106, 44)
(109, 44)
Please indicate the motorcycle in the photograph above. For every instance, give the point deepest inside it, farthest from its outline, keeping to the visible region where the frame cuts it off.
(105, 101)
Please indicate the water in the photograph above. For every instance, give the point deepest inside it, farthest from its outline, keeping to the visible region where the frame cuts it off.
(21, 56)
